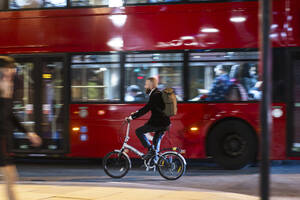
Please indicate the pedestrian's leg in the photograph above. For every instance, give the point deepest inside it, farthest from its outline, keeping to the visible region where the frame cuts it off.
(140, 133)
(10, 177)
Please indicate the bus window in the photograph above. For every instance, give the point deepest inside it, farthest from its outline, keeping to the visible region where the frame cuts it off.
(220, 76)
(24, 97)
(23, 4)
(95, 78)
(150, 1)
(109, 2)
(3, 5)
(89, 3)
(208, 0)
(166, 67)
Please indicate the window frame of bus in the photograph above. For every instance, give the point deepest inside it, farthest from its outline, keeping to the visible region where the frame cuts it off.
(69, 4)
(216, 51)
(183, 81)
(136, 4)
(162, 3)
(71, 55)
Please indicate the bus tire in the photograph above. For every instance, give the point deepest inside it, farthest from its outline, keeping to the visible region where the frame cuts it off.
(232, 144)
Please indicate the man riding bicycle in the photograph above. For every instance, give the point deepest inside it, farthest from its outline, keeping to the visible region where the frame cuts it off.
(158, 122)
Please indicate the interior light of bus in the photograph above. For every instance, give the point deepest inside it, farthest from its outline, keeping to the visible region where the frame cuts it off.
(116, 43)
(194, 128)
(47, 76)
(209, 30)
(273, 26)
(237, 19)
(118, 20)
(140, 77)
(75, 128)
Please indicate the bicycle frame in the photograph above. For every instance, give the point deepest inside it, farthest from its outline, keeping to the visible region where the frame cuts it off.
(127, 146)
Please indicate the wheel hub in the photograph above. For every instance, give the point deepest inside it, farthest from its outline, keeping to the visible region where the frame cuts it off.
(234, 145)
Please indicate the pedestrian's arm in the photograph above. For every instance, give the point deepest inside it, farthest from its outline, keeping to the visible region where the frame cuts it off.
(18, 124)
(33, 137)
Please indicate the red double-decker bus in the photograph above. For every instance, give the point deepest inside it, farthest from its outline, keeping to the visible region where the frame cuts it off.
(82, 65)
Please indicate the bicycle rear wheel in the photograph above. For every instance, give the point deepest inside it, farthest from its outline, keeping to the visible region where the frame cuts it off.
(116, 164)
(171, 165)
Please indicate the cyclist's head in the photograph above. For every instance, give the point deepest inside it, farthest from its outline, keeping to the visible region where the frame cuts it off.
(150, 84)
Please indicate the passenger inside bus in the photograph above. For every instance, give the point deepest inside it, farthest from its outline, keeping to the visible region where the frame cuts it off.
(237, 91)
(134, 93)
(220, 85)
(243, 84)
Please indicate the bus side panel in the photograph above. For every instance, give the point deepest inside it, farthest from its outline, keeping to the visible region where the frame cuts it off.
(100, 127)
(176, 27)
(101, 131)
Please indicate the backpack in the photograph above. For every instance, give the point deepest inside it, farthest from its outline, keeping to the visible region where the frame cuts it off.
(169, 98)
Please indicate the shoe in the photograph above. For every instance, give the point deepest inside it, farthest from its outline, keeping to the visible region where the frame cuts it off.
(149, 154)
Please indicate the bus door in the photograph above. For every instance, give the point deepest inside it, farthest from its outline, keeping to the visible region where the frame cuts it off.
(40, 104)
(294, 105)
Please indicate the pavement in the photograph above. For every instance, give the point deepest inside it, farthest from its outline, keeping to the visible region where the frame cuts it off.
(87, 181)
(58, 191)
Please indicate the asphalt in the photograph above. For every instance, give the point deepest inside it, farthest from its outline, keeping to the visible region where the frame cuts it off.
(203, 180)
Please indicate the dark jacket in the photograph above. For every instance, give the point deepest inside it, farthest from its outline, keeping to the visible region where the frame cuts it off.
(8, 121)
(156, 105)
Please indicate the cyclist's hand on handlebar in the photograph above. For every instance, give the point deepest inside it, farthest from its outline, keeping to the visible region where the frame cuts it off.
(128, 119)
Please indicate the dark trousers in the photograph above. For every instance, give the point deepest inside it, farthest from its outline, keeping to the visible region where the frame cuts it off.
(159, 132)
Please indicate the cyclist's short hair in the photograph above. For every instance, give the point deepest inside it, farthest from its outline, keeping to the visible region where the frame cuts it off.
(6, 61)
(153, 81)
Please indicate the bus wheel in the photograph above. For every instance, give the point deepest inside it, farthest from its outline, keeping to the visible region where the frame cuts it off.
(232, 144)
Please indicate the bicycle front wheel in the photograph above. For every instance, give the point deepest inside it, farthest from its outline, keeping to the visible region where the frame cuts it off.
(171, 165)
(116, 164)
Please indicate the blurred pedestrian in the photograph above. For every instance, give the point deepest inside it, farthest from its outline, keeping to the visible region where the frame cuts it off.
(8, 122)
